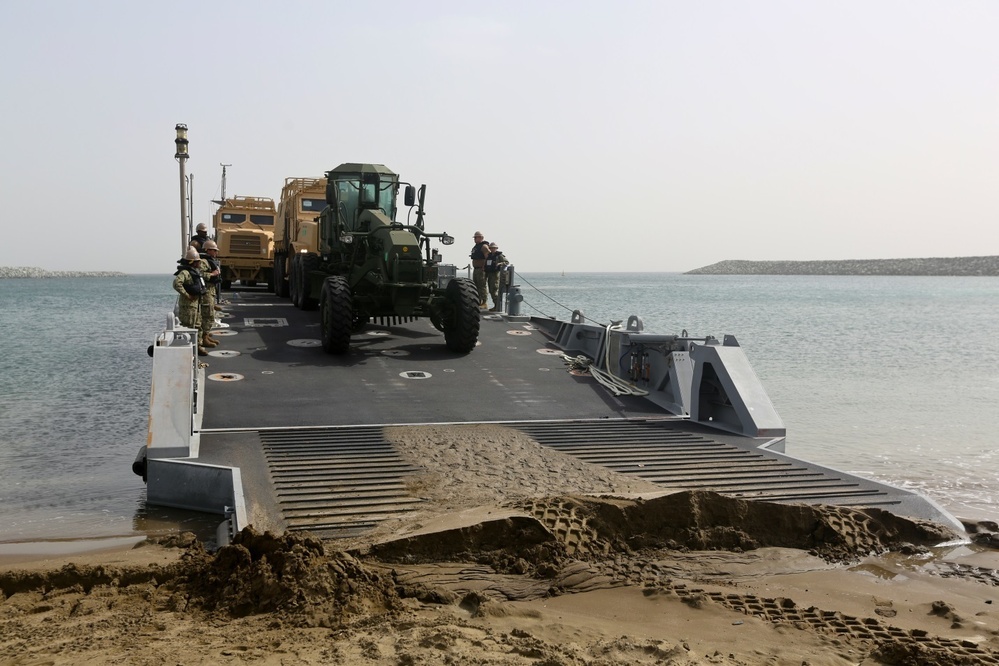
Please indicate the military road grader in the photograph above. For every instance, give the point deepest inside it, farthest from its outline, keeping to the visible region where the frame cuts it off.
(369, 266)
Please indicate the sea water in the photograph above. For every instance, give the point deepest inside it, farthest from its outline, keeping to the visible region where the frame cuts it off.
(893, 378)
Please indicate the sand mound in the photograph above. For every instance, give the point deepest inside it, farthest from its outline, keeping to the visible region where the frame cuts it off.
(565, 580)
(554, 529)
(291, 576)
(549, 561)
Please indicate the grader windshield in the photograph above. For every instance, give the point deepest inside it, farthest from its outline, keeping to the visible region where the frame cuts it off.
(370, 187)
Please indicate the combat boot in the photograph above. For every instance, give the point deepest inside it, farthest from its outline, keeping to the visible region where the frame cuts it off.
(202, 351)
(207, 342)
(209, 338)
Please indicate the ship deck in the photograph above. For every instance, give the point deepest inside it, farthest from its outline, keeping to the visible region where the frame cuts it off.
(306, 428)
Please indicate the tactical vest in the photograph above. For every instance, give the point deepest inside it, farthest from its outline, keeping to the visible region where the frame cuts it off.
(196, 287)
(213, 263)
(493, 260)
(477, 252)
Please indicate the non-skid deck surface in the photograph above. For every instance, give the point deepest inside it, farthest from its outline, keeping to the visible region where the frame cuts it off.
(306, 427)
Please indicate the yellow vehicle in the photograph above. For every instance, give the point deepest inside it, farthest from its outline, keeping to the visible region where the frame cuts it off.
(244, 228)
(296, 229)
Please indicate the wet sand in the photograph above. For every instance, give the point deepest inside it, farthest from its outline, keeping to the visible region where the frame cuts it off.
(549, 561)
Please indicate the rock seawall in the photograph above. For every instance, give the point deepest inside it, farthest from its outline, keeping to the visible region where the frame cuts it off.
(33, 272)
(975, 266)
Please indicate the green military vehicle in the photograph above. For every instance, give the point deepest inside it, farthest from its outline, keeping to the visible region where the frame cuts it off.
(369, 266)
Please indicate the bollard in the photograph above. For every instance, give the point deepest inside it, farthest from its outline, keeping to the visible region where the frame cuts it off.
(514, 298)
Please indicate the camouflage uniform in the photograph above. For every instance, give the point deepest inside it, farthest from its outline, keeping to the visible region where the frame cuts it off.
(479, 253)
(207, 302)
(496, 264)
(188, 310)
(198, 240)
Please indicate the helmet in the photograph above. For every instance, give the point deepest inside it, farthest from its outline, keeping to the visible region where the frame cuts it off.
(192, 254)
(201, 227)
(493, 246)
(209, 245)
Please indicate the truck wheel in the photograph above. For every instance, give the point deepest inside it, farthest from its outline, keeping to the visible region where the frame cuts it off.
(280, 285)
(293, 280)
(335, 317)
(461, 327)
(309, 264)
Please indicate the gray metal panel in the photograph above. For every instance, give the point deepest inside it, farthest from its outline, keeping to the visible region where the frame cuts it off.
(341, 481)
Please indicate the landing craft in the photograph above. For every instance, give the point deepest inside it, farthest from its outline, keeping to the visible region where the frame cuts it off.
(277, 434)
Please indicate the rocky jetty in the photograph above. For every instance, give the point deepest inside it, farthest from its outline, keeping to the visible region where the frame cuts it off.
(33, 272)
(930, 266)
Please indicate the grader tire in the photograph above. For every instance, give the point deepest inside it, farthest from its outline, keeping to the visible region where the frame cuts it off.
(461, 327)
(335, 316)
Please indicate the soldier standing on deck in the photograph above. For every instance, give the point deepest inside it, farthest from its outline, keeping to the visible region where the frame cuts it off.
(479, 253)
(496, 265)
(189, 283)
(211, 271)
(198, 240)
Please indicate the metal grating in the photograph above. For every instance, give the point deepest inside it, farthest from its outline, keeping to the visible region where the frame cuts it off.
(342, 481)
(245, 245)
(337, 481)
(674, 458)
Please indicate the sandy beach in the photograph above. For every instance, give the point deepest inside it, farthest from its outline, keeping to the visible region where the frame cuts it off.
(548, 561)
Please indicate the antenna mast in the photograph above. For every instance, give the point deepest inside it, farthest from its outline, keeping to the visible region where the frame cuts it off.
(223, 180)
(181, 156)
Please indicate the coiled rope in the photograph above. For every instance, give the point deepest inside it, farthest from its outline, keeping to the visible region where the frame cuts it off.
(615, 385)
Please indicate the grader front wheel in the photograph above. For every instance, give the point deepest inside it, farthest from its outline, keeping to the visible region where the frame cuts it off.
(335, 317)
(461, 326)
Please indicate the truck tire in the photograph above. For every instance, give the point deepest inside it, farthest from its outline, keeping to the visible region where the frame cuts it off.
(293, 288)
(309, 264)
(335, 316)
(280, 284)
(461, 327)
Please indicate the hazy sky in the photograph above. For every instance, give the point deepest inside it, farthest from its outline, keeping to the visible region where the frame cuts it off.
(581, 136)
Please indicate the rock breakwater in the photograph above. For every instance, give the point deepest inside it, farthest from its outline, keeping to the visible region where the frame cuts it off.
(33, 272)
(941, 266)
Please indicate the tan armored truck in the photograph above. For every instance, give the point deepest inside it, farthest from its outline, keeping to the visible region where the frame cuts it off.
(244, 228)
(296, 229)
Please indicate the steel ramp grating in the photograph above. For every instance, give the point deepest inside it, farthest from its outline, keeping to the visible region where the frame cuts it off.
(337, 482)
(664, 454)
(342, 481)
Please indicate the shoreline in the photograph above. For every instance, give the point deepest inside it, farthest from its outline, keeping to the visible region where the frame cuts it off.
(33, 272)
(40, 552)
(502, 585)
(983, 266)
